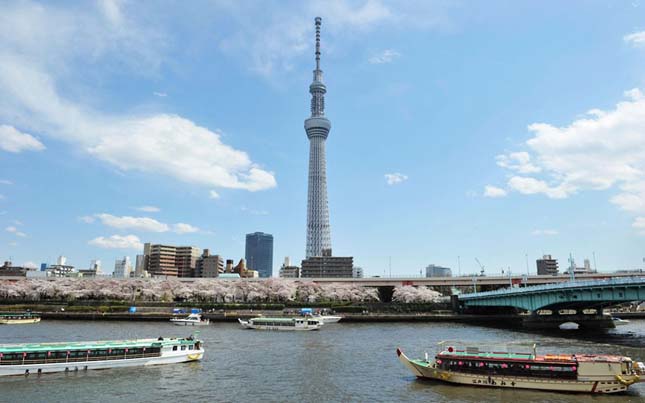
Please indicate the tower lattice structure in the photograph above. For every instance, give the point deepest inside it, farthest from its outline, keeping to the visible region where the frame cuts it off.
(317, 127)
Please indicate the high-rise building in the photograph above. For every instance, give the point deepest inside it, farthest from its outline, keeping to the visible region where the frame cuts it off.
(259, 253)
(328, 266)
(140, 266)
(433, 270)
(186, 260)
(317, 127)
(122, 267)
(547, 266)
(208, 265)
(289, 271)
(168, 260)
(95, 265)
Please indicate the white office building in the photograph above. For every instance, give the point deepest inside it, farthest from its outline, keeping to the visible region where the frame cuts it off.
(123, 267)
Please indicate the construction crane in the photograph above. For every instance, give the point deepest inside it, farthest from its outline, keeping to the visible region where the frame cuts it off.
(481, 266)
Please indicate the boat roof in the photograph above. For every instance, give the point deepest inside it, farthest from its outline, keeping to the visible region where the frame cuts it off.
(547, 358)
(263, 319)
(494, 355)
(92, 345)
(18, 314)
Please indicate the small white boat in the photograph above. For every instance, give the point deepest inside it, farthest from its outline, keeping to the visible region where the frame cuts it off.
(619, 321)
(19, 318)
(194, 319)
(327, 319)
(281, 323)
(569, 326)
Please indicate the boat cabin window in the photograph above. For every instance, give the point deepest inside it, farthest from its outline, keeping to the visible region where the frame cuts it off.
(183, 348)
(513, 368)
(191, 347)
(174, 348)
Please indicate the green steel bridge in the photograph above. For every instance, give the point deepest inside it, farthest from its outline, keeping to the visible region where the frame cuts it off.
(594, 294)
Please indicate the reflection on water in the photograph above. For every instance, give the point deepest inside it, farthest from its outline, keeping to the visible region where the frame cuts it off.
(343, 362)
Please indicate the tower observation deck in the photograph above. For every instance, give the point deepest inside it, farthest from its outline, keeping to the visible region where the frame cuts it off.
(317, 127)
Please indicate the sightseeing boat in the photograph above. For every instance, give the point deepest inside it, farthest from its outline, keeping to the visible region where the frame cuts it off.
(194, 319)
(37, 358)
(527, 370)
(327, 319)
(18, 318)
(262, 323)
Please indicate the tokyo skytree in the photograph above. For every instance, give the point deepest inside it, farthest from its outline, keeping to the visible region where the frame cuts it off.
(317, 128)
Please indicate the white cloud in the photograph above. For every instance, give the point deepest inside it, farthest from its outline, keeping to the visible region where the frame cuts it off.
(493, 191)
(117, 242)
(182, 228)
(527, 185)
(160, 94)
(14, 141)
(395, 178)
(29, 265)
(5, 182)
(17, 222)
(36, 59)
(133, 223)
(386, 56)
(518, 161)
(603, 150)
(213, 194)
(148, 209)
(635, 39)
(145, 224)
(545, 232)
(14, 230)
(639, 225)
(87, 219)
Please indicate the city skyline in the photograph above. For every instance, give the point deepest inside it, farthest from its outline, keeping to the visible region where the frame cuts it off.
(498, 132)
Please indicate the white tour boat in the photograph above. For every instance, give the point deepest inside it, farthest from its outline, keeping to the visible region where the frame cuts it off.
(37, 358)
(327, 319)
(585, 373)
(194, 319)
(261, 323)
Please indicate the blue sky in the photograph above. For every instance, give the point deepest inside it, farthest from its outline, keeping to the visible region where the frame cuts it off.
(494, 130)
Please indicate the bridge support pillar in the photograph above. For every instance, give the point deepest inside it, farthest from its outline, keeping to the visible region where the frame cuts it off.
(554, 321)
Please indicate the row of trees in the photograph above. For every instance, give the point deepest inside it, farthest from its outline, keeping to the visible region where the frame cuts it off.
(202, 290)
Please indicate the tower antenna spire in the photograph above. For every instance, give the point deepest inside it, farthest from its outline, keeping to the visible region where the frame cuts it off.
(318, 22)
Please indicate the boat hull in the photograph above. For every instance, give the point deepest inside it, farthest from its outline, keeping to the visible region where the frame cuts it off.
(189, 323)
(327, 319)
(19, 321)
(171, 357)
(426, 370)
(249, 325)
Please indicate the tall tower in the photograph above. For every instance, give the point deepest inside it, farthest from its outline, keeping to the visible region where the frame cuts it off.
(317, 128)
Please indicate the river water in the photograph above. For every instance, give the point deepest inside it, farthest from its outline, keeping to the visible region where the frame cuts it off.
(341, 362)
